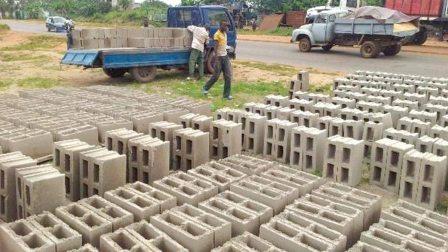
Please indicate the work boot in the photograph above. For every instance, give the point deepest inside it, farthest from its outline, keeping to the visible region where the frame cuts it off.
(229, 98)
(204, 92)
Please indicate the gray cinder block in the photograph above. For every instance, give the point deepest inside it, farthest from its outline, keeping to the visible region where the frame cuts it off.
(246, 240)
(253, 127)
(189, 146)
(218, 174)
(225, 139)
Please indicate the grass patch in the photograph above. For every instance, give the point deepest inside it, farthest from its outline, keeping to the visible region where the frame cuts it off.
(324, 89)
(19, 56)
(41, 42)
(4, 27)
(4, 84)
(279, 31)
(37, 82)
(442, 207)
(275, 68)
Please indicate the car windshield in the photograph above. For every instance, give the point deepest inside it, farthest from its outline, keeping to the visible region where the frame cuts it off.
(58, 20)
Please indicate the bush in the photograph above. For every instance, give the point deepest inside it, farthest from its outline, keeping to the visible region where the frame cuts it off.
(4, 27)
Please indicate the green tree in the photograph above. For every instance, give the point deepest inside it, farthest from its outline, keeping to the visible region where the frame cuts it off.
(124, 4)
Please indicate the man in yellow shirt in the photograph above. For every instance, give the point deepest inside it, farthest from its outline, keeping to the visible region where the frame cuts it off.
(222, 63)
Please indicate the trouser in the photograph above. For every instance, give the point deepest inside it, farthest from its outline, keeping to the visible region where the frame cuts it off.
(222, 65)
(196, 56)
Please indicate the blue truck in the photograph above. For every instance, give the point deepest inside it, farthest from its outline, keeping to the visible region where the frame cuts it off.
(142, 63)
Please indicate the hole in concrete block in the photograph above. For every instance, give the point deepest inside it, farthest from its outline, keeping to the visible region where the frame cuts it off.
(184, 124)
(306, 122)
(377, 173)
(45, 221)
(76, 211)
(295, 158)
(85, 169)
(214, 151)
(410, 172)
(85, 190)
(188, 190)
(95, 191)
(92, 221)
(219, 205)
(189, 146)
(251, 127)
(243, 123)
(423, 148)
(366, 151)
(297, 140)
(67, 185)
(134, 174)
(313, 243)
(215, 133)
(369, 134)
(218, 116)
(20, 212)
(145, 157)
(404, 140)
(389, 137)
(344, 175)
(302, 108)
(349, 131)
(426, 195)
(239, 214)
(57, 157)
(124, 194)
(309, 162)
(277, 104)
(270, 132)
(196, 126)
(428, 173)
(242, 139)
(19, 186)
(189, 164)
(145, 177)
(394, 158)
(280, 152)
(194, 230)
(309, 143)
(230, 117)
(96, 173)
(355, 118)
(109, 143)
(379, 154)
(284, 229)
(120, 147)
(2, 204)
(127, 174)
(330, 170)
(407, 190)
(34, 242)
(178, 143)
(67, 162)
(346, 155)
(2, 179)
(134, 153)
(61, 232)
(440, 152)
(344, 116)
(392, 178)
(295, 119)
(268, 148)
(322, 126)
(20, 229)
(162, 135)
(366, 119)
(331, 151)
(153, 132)
(225, 152)
(334, 130)
(417, 130)
(27, 195)
(178, 162)
(251, 143)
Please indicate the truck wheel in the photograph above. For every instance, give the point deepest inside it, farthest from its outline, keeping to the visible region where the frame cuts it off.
(392, 50)
(420, 38)
(327, 48)
(304, 45)
(144, 74)
(370, 49)
(115, 73)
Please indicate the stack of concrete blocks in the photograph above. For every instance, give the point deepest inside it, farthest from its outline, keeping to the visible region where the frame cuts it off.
(271, 193)
(405, 227)
(437, 131)
(344, 219)
(425, 144)
(304, 181)
(117, 140)
(225, 139)
(142, 200)
(301, 83)
(401, 135)
(228, 114)
(368, 203)
(424, 116)
(193, 228)
(343, 102)
(343, 160)
(305, 144)
(284, 113)
(257, 108)
(387, 163)
(379, 99)
(440, 148)
(66, 160)
(300, 104)
(191, 148)
(370, 107)
(187, 188)
(245, 214)
(443, 121)
(277, 140)
(39, 188)
(423, 178)
(85, 133)
(415, 97)
(253, 127)
(165, 131)
(9, 163)
(269, 111)
(352, 114)
(276, 100)
(93, 218)
(323, 123)
(189, 120)
(218, 174)
(427, 91)
(202, 123)
(414, 126)
(35, 143)
(149, 159)
(372, 132)
(247, 164)
(353, 129)
(410, 105)
(43, 232)
(326, 109)
(336, 127)
(101, 170)
(440, 110)
(291, 231)
(140, 236)
(304, 118)
(246, 242)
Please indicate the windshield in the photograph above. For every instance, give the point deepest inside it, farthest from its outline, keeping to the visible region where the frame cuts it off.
(216, 16)
(58, 20)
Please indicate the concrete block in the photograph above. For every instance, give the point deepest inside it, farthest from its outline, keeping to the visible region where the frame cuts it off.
(424, 116)
(304, 181)
(305, 154)
(117, 140)
(353, 129)
(121, 240)
(247, 241)
(202, 123)
(401, 135)
(189, 146)
(246, 215)
(217, 174)
(396, 112)
(270, 193)
(85, 133)
(33, 143)
(440, 148)
(304, 118)
(253, 127)
(247, 164)
(277, 139)
(425, 144)
(193, 228)
(343, 102)
(225, 139)
(186, 188)
(276, 100)
(299, 104)
(394, 165)
(431, 180)
(284, 113)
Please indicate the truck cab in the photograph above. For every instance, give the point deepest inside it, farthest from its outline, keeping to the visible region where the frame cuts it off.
(205, 15)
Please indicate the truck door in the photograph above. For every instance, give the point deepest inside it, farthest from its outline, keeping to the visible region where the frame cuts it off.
(319, 29)
(213, 18)
(183, 17)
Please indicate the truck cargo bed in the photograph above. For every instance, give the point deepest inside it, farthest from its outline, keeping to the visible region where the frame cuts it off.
(361, 26)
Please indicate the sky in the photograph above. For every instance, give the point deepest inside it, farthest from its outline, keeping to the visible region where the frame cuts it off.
(170, 2)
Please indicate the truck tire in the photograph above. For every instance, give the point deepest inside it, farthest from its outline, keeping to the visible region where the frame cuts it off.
(420, 38)
(370, 49)
(392, 50)
(115, 73)
(144, 74)
(305, 44)
(327, 48)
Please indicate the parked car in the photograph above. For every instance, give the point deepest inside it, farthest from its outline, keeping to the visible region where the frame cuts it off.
(58, 24)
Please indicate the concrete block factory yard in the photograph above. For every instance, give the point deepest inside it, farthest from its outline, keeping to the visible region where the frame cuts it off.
(315, 152)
